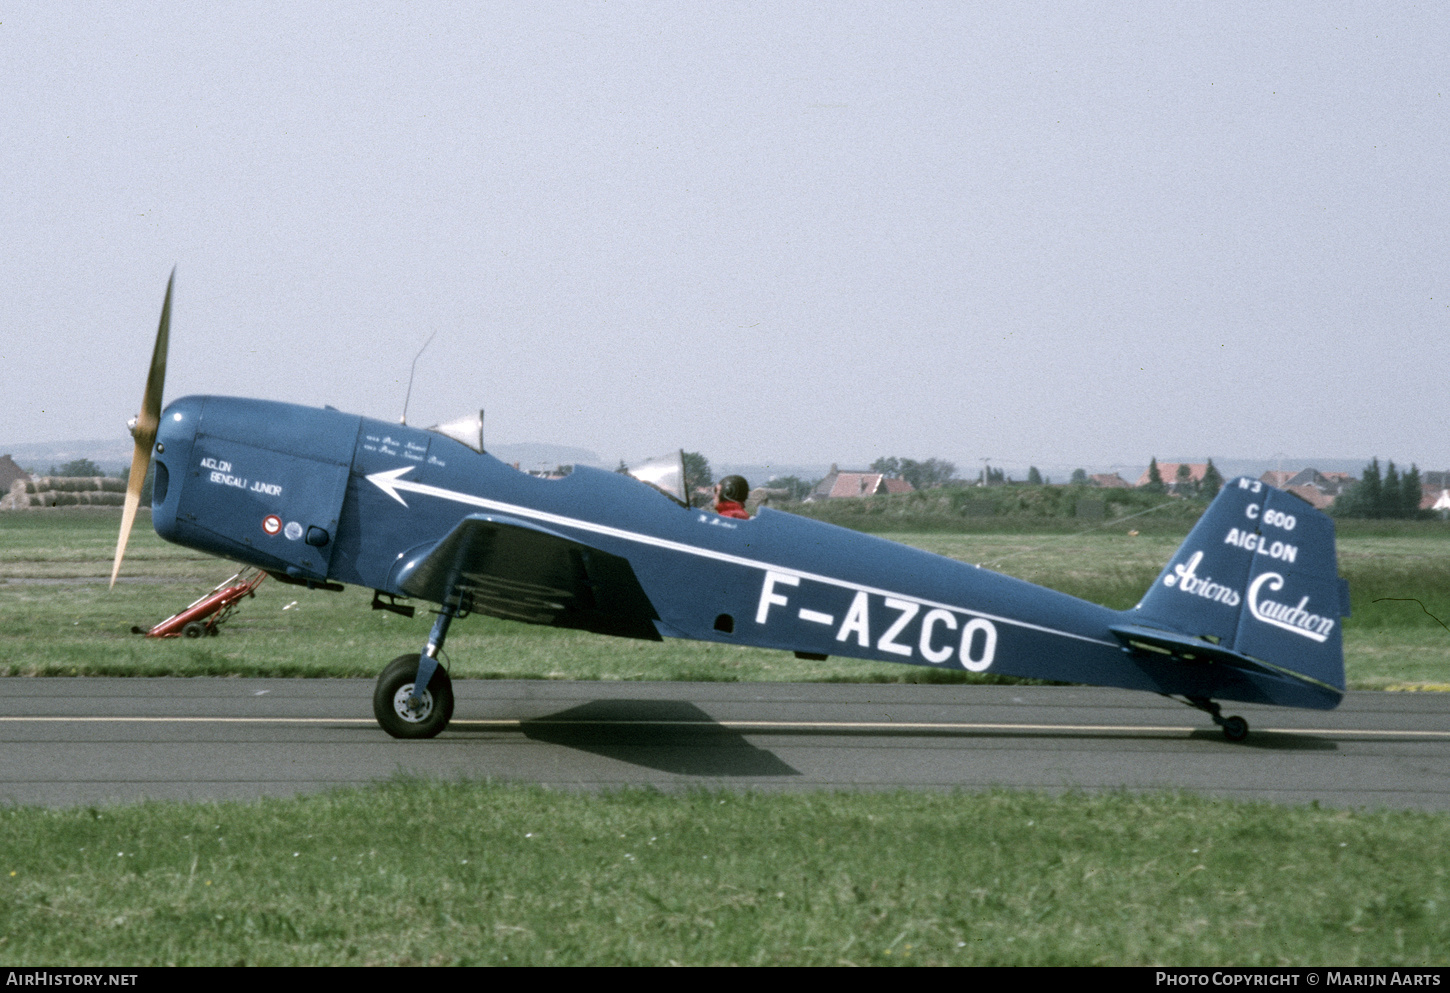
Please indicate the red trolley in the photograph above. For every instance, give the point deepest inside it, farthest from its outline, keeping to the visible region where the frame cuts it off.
(206, 615)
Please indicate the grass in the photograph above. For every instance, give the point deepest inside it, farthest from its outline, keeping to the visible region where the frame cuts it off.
(476, 873)
(1399, 581)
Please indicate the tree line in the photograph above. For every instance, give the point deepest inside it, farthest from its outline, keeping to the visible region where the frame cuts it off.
(921, 475)
(1183, 482)
(1392, 495)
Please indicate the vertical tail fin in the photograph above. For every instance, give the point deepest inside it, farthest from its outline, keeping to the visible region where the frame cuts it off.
(1258, 576)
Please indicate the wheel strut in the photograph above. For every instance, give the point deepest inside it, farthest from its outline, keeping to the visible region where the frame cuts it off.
(1234, 728)
(428, 660)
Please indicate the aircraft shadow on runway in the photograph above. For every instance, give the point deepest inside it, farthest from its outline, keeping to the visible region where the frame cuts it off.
(669, 735)
(678, 737)
(1274, 741)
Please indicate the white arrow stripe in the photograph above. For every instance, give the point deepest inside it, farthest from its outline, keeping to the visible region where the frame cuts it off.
(390, 483)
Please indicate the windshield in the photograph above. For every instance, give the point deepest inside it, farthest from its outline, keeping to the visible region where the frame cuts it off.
(666, 474)
(467, 429)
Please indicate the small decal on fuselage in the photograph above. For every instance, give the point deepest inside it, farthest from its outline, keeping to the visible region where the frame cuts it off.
(221, 475)
(227, 479)
(293, 530)
(272, 524)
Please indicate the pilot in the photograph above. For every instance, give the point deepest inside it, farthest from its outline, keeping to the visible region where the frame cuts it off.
(730, 495)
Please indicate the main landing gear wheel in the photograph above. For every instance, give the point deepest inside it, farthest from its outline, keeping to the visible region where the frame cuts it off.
(1235, 728)
(398, 713)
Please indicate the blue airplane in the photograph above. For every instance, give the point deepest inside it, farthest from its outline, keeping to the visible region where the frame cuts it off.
(1248, 608)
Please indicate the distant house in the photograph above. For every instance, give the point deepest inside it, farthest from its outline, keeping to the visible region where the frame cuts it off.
(1328, 483)
(1311, 495)
(1169, 472)
(9, 473)
(1318, 489)
(838, 485)
(1109, 481)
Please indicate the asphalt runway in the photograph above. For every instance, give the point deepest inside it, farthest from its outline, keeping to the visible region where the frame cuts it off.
(70, 742)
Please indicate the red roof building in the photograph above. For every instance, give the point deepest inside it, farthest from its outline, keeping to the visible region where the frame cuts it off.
(1169, 472)
(1319, 489)
(838, 485)
(1311, 495)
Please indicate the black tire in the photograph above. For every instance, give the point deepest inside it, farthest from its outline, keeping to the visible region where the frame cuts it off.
(395, 686)
(193, 630)
(1235, 728)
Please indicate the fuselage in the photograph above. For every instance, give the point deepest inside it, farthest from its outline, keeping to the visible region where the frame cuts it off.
(320, 495)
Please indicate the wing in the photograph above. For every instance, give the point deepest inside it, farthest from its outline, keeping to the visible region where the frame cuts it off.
(517, 570)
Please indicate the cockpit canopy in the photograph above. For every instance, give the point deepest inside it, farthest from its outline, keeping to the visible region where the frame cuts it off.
(467, 429)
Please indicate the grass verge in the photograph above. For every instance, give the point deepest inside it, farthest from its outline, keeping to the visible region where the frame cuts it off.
(1399, 581)
(477, 873)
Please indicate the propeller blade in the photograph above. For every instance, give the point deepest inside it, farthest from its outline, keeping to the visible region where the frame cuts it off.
(143, 429)
(140, 463)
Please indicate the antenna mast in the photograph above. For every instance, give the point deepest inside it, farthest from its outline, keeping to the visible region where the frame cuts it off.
(409, 395)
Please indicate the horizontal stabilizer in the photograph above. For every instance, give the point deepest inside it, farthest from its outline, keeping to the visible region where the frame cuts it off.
(1186, 648)
(1181, 646)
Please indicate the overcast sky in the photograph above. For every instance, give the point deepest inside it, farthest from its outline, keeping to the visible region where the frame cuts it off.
(1062, 233)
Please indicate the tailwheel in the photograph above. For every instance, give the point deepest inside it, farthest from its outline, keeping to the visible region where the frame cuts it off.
(1234, 728)
(399, 713)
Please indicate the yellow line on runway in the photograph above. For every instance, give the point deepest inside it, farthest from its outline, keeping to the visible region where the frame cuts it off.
(202, 720)
(762, 726)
